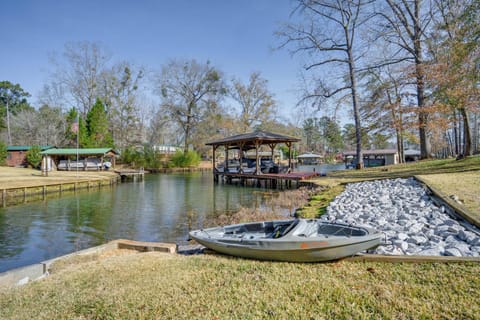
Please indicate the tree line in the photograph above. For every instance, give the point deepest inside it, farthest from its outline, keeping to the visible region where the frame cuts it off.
(112, 105)
(409, 68)
(405, 71)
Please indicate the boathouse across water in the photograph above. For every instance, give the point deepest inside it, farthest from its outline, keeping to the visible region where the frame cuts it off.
(261, 170)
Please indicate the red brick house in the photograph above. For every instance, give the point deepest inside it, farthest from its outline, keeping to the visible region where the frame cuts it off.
(17, 155)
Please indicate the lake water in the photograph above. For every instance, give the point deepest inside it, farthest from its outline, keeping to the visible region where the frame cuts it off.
(161, 208)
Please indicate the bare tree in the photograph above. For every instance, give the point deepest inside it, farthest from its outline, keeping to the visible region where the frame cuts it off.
(188, 89)
(13, 99)
(453, 71)
(386, 106)
(255, 102)
(328, 34)
(78, 77)
(404, 25)
(42, 127)
(120, 91)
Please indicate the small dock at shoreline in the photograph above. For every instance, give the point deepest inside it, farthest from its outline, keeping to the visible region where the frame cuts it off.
(131, 174)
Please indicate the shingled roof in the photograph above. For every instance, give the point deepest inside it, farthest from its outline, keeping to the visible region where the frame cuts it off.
(262, 137)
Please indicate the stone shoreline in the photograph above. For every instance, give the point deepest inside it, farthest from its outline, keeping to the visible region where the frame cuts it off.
(412, 222)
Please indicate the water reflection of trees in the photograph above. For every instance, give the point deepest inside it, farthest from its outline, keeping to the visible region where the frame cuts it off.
(162, 208)
(12, 236)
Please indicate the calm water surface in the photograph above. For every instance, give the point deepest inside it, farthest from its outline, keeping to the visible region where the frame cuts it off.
(161, 208)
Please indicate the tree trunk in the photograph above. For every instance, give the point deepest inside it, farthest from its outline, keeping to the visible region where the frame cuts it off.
(420, 78)
(356, 112)
(188, 125)
(398, 126)
(8, 125)
(467, 138)
(451, 144)
(475, 133)
(186, 139)
(422, 115)
(455, 139)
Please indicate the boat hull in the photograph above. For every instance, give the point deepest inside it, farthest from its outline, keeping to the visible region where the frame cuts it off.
(294, 246)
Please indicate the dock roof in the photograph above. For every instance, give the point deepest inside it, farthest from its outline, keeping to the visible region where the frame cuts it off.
(26, 148)
(74, 151)
(262, 137)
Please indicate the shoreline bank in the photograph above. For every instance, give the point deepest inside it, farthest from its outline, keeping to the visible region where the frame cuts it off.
(23, 185)
(23, 275)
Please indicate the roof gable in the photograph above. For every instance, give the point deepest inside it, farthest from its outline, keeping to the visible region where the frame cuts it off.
(264, 137)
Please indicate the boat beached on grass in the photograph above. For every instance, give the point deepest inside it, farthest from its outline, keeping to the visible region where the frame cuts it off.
(296, 240)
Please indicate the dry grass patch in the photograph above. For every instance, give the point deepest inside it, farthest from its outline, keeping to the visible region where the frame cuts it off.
(163, 286)
(24, 177)
(464, 185)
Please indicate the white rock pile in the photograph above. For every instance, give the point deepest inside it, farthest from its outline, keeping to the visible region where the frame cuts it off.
(412, 223)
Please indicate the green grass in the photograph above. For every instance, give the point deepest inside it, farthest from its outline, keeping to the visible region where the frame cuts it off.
(319, 202)
(160, 286)
(411, 169)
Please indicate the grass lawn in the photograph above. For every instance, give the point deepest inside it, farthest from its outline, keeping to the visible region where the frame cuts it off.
(450, 166)
(162, 286)
(24, 177)
(464, 185)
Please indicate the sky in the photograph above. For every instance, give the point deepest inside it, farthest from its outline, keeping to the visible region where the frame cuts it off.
(236, 36)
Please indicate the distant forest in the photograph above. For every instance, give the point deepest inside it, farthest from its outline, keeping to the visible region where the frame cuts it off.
(406, 72)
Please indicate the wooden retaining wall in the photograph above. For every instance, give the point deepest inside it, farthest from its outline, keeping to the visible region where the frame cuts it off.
(20, 195)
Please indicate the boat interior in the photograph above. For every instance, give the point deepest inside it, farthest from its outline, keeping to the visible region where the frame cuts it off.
(278, 229)
(267, 229)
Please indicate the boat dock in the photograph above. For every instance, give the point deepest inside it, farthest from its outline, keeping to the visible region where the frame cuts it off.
(130, 174)
(260, 170)
(266, 180)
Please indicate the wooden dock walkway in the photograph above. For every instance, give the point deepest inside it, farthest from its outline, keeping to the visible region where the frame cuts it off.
(266, 180)
(131, 174)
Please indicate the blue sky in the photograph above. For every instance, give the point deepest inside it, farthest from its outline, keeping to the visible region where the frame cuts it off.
(236, 36)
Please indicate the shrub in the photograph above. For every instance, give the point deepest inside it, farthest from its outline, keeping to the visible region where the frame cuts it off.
(182, 160)
(146, 158)
(3, 153)
(132, 157)
(34, 157)
(152, 158)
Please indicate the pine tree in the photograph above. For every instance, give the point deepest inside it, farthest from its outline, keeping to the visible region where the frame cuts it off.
(76, 128)
(98, 127)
